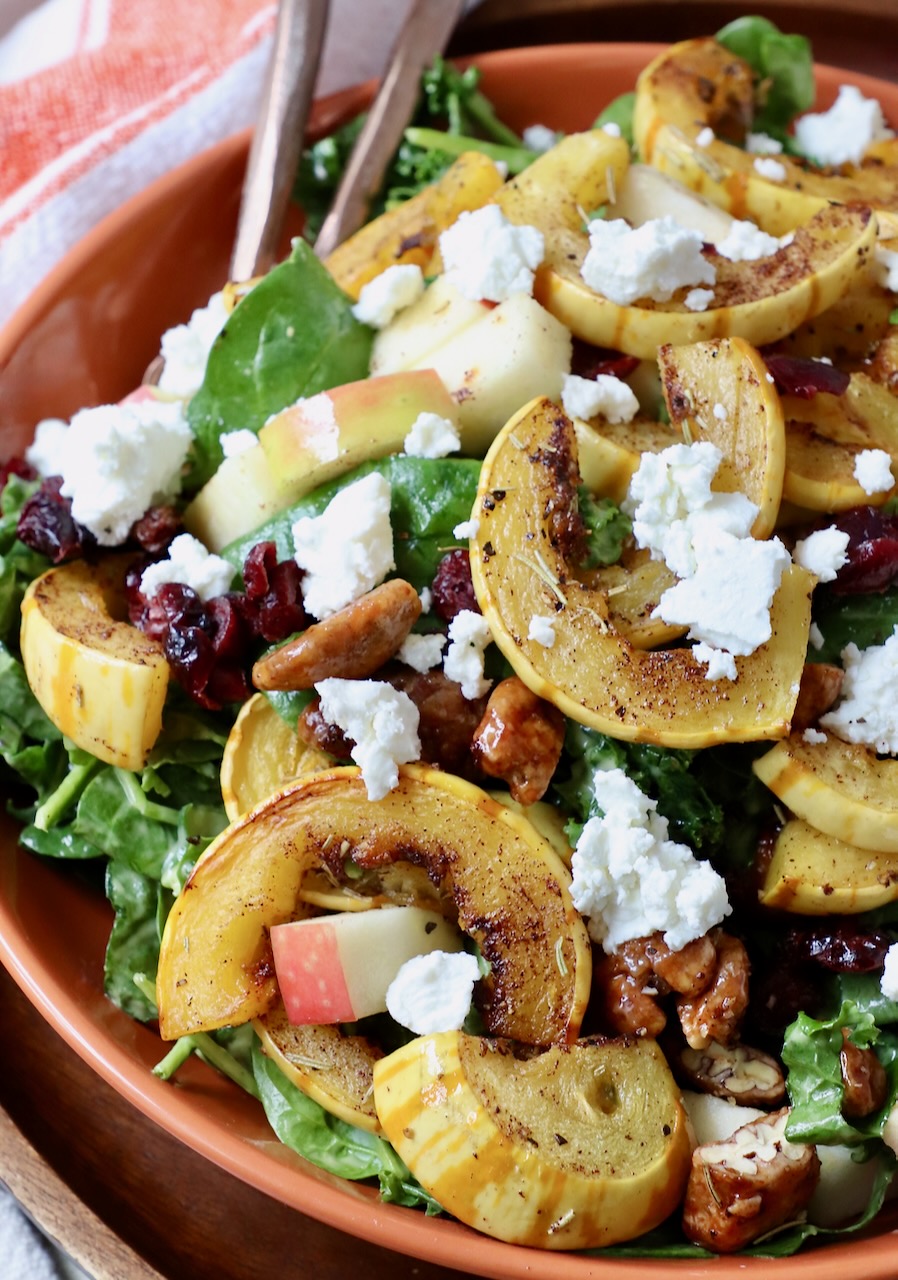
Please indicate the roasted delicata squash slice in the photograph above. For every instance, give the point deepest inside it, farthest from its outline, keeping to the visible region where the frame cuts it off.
(731, 178)
(409, 233)
(610, 453)
(593, 673)
(102, 682)
(262, 753)
(508, 887)
(575, 1147)
(760, 301)
(825, 434)
(813, 874)
(334, 1069)
(720, 391)
(692, 85)
(849, 329)
(843, 789)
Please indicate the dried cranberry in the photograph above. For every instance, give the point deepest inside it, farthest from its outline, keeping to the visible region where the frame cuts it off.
(872, 551)
(839, 945)
(802, 377)
(156, 529)
(16, 467)
(453, 588)
(588, 361)
(46, 524)
(273, 602)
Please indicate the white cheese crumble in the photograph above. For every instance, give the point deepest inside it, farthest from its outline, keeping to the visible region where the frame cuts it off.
(630, 879)
(539, 137)
(542, 629)
(433, 993)
(43, 452)
(488, 258)
(822, 553)
(469, 635)
(813, 737)
(770, 169)
(612, 128)
(425, 595)
(191, 564)
(650, 261)
(815, 636)
(382, 723)
(867, 711)
(727, 578)
(431, 436)
(761, 144)
(873, 470)
(185, 348)
(604, 394)
(422, 652)
(467, 528)
(698, 299)
(745, 242)
(721, 665)
(348, 549)
(117, 460)
(387, 294)
(705, 136)
(889, 982)
(842, 134)
(234, 443)
(720, 412)
(885, 268)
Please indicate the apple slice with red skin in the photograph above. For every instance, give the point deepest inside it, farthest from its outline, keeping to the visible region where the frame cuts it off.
(337, 968)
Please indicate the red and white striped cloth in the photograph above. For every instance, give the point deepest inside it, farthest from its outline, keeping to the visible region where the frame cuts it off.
(100, 97)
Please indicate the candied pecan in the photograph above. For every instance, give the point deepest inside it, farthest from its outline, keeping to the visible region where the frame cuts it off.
(819, 689)
(315, 731)
(688, 971)
(519, 740)
(447, 718)
(624, 988)
(866, 1086)
(716, 1013)
(747, 1075)
(748, 1184)
(351, 644)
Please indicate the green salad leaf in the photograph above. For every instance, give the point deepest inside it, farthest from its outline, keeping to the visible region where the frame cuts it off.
(620, 112)
(864, 620)
(293, 335)
(332, 1144)
(607, 529)
(783, 68)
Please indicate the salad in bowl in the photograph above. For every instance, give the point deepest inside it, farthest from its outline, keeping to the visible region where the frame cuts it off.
(470, 662)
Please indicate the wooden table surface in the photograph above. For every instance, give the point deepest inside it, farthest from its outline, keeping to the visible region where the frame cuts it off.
(173, 1216)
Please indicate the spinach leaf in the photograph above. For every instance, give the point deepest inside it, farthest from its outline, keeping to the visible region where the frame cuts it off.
(620, 112)
(783, 68)
(293, 335)
(811, 1052)
(332, 1144)
(607, 528)
(665, 774)
(430, 496)
(133, 945)
(18, 563)
(865, 619)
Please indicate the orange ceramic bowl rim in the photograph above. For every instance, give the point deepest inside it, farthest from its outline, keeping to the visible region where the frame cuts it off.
(46, 911)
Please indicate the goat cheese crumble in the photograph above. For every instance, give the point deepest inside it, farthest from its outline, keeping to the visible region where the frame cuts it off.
(822, 553)
(867, 711)
(348, 549)
(433, 992)
(118, 459)
(761, 144)
(233, 443)
(771, 169)
(539, 137)
(605, 395)
(43, 452)
(185, 348)
(873, 470)
(630, 879)
(467, 528)
(651, 261)
(431, 436)
(422, 653)
(387, 294)
(382, 723)
(745, 242)
(487, 258)
(842, 134)
(885, 267)
(698, 299)
(469, 635)
(192, 565)
(542, 629)
(889, 981)
(705, 136)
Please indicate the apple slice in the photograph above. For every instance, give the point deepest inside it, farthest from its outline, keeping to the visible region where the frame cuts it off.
(238, 498)
(318, 438)
(101, 681)
(338, 968)
(438, 316)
